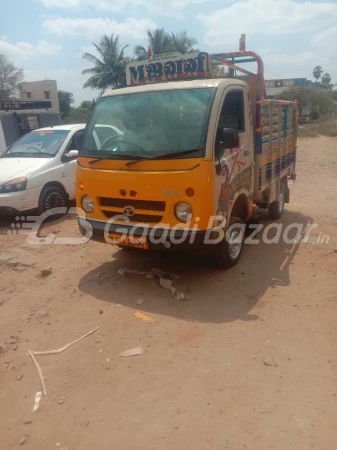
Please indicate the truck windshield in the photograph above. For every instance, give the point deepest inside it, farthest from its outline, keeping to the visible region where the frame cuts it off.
(150, 124)
(38, 144)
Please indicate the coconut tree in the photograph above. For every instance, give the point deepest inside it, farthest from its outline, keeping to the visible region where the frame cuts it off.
(158, 39)
(163, 42)
(108, 69)
(183, 43)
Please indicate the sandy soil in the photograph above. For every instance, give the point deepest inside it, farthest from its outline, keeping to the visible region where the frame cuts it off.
(202, 381)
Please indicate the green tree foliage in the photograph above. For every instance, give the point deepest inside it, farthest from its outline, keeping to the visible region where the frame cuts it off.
(317, 72)
(77, 115)
(10, 78)
(326, 79)
(317, 100)
(158, 39)
(108, 68)
(183, 43)
(163, 42)
(88, 104)
(66, 99)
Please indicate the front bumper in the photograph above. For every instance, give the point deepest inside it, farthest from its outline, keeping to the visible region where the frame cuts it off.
(158, 238)
(15, 202)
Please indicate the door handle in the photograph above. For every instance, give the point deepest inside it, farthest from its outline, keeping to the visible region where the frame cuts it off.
(246, 152)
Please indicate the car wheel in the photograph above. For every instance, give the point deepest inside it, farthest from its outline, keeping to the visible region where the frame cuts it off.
(276, 208)
(52, 197)
(228, 252)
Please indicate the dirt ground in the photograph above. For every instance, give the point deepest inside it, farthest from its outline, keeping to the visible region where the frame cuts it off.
(247, 362)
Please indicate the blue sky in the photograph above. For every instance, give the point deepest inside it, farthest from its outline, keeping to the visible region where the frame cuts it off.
(47, 37)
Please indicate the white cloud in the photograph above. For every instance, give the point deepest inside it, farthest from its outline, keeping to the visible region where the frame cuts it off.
(104, 5)
(162, 7)
(300, 65)
(133, 29)
(326, 37)
(266, 17)
(325, 42)
(23, 50)
(67, 79)
(87, 49)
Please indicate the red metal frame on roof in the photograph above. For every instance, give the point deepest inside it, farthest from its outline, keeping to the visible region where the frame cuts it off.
(236, 57)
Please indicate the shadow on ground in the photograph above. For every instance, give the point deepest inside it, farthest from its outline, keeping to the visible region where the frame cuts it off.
(215, 295)
(10, 222)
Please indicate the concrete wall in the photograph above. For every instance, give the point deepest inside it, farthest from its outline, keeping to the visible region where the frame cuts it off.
(40, 90)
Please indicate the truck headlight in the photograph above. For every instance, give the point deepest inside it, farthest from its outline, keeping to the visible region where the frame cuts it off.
(183, 211)
(88, 204)
(18, 184)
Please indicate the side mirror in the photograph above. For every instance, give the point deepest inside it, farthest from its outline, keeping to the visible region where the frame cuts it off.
(72, 154)
(227, 138)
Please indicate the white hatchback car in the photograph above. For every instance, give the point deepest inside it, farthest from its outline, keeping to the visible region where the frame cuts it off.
(39, 170)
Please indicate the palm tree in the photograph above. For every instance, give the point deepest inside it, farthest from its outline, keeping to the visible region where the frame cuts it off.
(108, 69)
(159, 40)
(162, 42)
(183, 43)
(317, 72)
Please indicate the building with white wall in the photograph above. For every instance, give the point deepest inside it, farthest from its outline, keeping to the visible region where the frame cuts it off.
(41, 90)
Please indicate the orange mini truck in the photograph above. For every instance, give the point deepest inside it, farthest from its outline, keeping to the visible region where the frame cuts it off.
(178, 158)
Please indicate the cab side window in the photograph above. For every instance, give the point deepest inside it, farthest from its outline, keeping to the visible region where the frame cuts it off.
(232, 112)
(74, 141)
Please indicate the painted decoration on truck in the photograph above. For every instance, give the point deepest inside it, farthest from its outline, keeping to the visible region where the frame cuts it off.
(168, 66)
(277, 155)
(242, 180)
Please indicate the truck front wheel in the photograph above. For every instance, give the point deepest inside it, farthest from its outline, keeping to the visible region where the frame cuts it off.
(228, 251)
(276, 208)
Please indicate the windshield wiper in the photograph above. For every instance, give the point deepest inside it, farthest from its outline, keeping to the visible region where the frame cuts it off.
(113, 156)
(165, 155)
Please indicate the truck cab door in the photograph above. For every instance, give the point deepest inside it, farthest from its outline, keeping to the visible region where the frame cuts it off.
(233, 166)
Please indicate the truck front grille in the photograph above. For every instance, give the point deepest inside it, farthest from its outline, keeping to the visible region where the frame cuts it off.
(112, 207)
(138, 218)
(148, 205)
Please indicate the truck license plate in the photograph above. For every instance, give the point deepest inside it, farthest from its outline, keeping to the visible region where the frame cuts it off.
(130, 241)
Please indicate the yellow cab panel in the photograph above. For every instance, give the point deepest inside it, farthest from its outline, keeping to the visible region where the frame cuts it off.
(152, 188)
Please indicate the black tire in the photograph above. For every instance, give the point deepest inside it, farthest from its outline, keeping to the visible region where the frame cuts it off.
(276, 208)
(52, 197)
(225, 255)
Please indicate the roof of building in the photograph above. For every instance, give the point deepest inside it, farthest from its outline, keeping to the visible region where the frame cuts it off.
(36, 81)
(285, 79)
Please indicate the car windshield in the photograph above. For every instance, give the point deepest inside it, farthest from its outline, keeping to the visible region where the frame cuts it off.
(38, 144)
(150, 124)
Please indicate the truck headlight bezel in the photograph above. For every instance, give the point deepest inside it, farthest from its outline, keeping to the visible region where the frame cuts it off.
(183, 212)
(88, 204)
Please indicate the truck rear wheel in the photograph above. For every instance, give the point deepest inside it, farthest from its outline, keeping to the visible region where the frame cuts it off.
(228, 251)
(276, 208)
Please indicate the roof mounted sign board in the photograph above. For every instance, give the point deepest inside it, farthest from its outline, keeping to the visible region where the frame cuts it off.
(168, 66)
